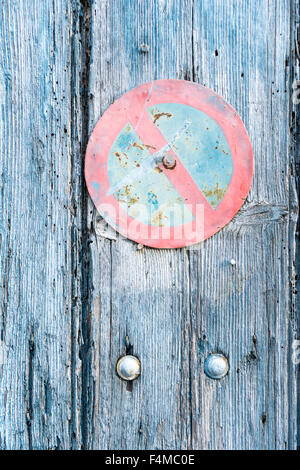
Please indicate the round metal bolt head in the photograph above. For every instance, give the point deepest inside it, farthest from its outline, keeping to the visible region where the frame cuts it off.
(216, 366)
(169, 162)
(128, 367)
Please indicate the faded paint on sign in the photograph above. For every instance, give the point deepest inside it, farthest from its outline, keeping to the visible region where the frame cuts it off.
(203, 149)
(130, 183)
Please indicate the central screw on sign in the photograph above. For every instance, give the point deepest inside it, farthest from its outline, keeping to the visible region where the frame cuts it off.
(161, 126)
(169, 162)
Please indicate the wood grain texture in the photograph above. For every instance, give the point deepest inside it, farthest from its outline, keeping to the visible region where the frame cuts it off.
(71, 294)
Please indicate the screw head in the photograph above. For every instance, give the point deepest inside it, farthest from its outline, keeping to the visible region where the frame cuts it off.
(216, 366)
(128, 367)
(169, 162)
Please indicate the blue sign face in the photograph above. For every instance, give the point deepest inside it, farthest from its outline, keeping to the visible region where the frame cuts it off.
(147, 194)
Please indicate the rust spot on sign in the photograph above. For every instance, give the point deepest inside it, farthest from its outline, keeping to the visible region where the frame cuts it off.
(123, 159)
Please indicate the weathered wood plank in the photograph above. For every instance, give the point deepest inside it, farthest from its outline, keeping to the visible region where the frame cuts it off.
(38, 221)
(177, 306)
(294, 199)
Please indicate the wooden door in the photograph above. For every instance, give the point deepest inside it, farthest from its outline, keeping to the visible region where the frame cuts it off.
(75, 297)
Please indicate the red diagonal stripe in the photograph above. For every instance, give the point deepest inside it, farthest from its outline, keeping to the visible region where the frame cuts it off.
(179, 176)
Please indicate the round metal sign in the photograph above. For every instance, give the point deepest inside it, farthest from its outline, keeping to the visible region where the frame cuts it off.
(169, 164)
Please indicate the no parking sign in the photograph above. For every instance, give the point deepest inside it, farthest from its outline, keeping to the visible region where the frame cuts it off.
(169, 164)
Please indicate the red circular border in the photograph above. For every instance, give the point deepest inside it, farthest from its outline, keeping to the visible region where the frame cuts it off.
(128, 108)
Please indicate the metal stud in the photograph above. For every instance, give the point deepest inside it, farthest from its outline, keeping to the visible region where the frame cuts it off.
(216, 366)
(128, 367)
